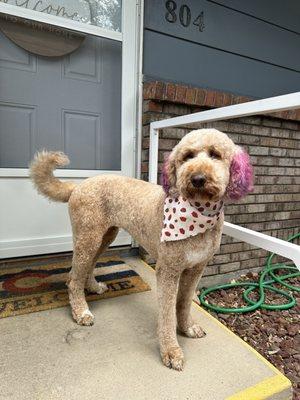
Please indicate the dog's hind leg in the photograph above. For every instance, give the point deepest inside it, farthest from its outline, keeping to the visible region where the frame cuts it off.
(91, 284)
(87, 243)
(187, 286)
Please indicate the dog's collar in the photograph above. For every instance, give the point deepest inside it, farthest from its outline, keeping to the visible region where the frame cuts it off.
(185, 218)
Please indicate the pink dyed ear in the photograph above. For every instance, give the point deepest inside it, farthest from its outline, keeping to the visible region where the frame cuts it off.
(241, 176)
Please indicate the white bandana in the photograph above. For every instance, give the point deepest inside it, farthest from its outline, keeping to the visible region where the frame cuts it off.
(184, 218)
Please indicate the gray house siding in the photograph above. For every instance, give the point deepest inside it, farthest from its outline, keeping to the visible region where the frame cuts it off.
(247, 48)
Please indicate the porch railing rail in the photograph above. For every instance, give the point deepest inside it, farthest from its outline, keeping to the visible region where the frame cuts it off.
(265, 106)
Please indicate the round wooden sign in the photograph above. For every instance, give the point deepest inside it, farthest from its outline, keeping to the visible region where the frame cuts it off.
(39, 38)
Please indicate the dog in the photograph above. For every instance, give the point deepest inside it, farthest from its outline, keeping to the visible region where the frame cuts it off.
(179, 223)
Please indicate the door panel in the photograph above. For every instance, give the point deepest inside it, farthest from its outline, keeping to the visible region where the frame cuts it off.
(82, 148)
(19, 122)
(79, 92)
(13, 57)
(85, 64)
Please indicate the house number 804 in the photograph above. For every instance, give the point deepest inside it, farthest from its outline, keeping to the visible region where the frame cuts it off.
(184, 15)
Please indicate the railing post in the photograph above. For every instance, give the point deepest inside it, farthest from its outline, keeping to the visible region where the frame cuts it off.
(153, 154)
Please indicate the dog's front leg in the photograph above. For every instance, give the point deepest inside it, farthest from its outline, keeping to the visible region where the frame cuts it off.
(167, 285)
(187, 286)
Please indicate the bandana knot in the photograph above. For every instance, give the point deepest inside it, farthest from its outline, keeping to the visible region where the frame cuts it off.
(185, 218)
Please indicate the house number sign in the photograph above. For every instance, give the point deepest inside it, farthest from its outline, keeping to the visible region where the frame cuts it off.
(183, 15)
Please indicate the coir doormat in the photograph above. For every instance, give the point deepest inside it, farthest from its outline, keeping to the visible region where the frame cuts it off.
(29, 288)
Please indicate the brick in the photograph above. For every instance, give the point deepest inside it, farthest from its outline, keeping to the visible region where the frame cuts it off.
(258, 150)
(176, 109)
(290, 162)
(292, 144)
(174, 133)
(190, 97)
(269, 141)
(239, 128)
(200, 97)
(150, 105)
(146, 131)
(278, 152)
(281, 133)
(170, 92)
(210, 98)
(151, 116)
(254, 120)
(149, 90)
(162, 155)
(145, 155)
(260, 130)
(273, 122)
(180, 94)
(167, 144)
(145, 143)
(221, 258)
(144, 167)
(255, 262)
(160, 90)
(219, 99)
(210, 270)
(227, 99)
(290, 125)
(144, 176)
(229, 267)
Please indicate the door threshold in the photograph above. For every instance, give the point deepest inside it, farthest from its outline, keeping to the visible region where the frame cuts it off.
(12, 262)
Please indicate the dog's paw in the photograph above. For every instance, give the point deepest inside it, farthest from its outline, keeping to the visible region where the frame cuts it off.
(96, 287)
(85, 319)
(194, 331)
(173, 358)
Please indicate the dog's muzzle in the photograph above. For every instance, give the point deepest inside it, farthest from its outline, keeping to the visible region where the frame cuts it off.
(198, 181)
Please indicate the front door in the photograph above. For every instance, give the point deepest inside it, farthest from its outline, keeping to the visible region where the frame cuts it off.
(77, 103)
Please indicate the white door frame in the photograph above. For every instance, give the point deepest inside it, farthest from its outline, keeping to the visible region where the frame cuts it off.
(130, 38)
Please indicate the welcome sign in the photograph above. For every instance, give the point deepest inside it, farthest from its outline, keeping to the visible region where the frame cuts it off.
(75, 10)
(103, 13)
(39, 38)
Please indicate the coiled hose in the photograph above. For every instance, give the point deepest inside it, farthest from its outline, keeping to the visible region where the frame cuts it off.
(261, 286)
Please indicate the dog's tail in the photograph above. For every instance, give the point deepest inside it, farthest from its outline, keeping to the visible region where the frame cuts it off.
(41, 173)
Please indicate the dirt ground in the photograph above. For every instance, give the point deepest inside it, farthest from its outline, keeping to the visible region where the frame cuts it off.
(274, 334)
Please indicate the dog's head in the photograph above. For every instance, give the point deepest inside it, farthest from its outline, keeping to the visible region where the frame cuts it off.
(207, 165)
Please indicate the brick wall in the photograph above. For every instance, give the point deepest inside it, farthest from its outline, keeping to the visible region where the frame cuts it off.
(273, 142)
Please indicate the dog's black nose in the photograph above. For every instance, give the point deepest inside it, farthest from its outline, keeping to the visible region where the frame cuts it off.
(198, 181)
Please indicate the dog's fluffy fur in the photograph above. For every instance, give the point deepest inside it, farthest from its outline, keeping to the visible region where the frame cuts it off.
(99, 206)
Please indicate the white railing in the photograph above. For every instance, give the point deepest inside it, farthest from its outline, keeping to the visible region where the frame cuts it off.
(265, 106)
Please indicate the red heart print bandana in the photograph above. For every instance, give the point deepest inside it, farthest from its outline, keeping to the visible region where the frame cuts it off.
(185, 218)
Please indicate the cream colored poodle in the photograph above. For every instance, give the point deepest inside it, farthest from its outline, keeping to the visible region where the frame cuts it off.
(179, 223)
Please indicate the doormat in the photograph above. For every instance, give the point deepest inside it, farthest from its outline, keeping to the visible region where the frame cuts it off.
(30, 288)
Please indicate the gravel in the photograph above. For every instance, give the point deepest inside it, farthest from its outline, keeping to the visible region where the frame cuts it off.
(274, 334)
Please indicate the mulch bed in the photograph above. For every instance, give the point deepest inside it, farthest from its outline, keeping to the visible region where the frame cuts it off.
(274, 334)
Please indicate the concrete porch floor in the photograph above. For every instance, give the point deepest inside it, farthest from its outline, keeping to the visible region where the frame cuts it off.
(46, 356)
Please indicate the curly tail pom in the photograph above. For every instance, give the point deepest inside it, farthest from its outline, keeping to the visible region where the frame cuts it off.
(241, 176)
(41, 173)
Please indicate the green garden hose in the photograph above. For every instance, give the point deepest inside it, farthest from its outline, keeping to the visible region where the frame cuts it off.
(260, 287)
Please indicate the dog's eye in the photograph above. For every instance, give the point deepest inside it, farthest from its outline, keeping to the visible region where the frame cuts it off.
(214, 154)
(188, 156)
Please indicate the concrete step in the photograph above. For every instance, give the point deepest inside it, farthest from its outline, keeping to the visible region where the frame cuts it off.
(46, 356)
